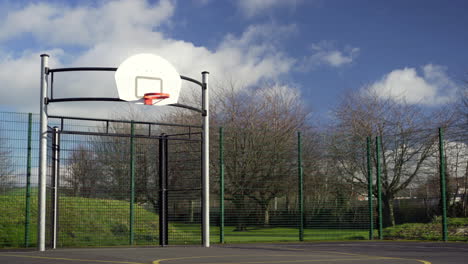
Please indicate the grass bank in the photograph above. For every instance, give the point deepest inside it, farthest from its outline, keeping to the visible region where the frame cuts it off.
(457, 230)
(83, 222)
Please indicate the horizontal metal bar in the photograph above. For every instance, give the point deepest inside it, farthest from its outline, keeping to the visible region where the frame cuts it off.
(187, 107)
(78, 99)
(191, 80)
(184, 134)
(111, 99)
(110, 69)
(122, 121)
(121, 135)
(83, 69)
(182, 190)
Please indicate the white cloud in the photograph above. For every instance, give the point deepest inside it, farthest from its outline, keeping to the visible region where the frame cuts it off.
(250, 8)
(325, 53)
(433, 87)
(19, 79)
(85, 25)
(112, 31)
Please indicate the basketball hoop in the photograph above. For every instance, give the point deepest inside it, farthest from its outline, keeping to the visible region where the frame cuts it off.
(149, 97)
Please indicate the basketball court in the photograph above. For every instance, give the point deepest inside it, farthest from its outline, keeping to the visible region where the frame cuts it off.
(329, 252)
(150, 80)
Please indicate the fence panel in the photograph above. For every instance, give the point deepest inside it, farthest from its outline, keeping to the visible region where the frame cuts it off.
(184, 189)
(109, 184)
(260, 184)
(336, 188)
(18, 179)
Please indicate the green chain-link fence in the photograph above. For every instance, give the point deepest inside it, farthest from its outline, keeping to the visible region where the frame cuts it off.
(265, 185)
(18, 179)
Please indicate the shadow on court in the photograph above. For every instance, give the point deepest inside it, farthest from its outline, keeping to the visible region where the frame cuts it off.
(329, 252)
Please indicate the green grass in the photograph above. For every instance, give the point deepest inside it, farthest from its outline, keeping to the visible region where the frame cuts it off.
(284, 234)
(12, 218)
(96, 222)
(457, 230)
(105, 222)
(84, 222)
(278, 234)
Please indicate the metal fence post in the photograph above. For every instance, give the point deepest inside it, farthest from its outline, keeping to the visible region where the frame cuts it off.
(300, 186)
(221, 185)
(132, 182)
(55, 184)
(370, 189)
(27, 221)
(443, 187)
(379, 185)
(163, 225)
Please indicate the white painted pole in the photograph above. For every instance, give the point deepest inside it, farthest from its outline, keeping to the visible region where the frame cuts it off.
(206, 162)
(42, 155)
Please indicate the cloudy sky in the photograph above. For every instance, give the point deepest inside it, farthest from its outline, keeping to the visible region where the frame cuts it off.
(414, 50)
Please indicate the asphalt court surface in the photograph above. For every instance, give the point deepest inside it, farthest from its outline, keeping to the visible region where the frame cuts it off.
(330, 252)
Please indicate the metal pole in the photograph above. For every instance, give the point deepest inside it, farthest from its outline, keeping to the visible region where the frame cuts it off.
(301, 186)
(55, 175)
(162, 191)
(443, 188)
(205, 162)
(221, 185)
(42, 155)
(132, 181)
(379, 186)
(28, 184)
(166, 192)
(369, 192)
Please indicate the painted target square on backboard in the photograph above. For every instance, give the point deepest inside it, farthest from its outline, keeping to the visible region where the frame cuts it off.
(147, 73)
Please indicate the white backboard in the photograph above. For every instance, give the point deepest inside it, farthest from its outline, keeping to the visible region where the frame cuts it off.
(147, 73)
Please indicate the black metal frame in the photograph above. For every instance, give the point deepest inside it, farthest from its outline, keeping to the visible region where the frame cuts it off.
(103, 99)
(162, 171)
(55, 184)
(163, 139)
(163, 186)
(108, 121)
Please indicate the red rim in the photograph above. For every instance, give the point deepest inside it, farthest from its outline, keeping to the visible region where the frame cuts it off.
(149, 97)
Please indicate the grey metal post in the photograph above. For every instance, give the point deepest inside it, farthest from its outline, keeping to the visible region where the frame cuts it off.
(55, 184)
(42, 155)
(205, 162)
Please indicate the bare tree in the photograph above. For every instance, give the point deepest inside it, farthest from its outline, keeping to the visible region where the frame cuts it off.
(84, 176)
(6, 165)
(261, 128)
(456, 162)
(408, 140)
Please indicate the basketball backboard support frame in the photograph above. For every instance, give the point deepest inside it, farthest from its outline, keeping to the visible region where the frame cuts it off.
(46, 72)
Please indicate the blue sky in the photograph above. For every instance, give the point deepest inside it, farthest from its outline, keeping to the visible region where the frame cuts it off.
(401, 49)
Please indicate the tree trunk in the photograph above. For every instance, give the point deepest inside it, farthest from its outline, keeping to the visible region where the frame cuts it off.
(266, 214)
(388, 211)
(240, 216)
